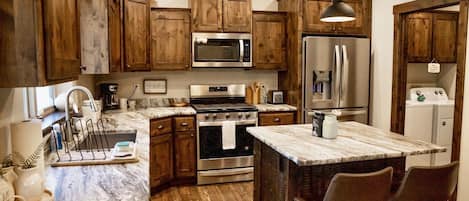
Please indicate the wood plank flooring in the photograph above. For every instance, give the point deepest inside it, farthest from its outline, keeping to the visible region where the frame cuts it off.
(220, 192)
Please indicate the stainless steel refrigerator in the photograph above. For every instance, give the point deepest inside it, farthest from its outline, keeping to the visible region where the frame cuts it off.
(336, 77)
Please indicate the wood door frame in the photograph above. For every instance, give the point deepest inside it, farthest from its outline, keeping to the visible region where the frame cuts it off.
(400, 64)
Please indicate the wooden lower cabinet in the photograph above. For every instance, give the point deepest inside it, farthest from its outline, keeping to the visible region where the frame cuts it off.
(172, 152)
(161, 168)
(185, 154)
(276, 118)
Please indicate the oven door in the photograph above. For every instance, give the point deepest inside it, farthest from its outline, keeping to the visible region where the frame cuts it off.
(211, 154)
(221, 50)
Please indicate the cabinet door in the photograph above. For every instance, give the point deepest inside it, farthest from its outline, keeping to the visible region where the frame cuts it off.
(361, 25)
(115, 35)
(170, 40)
(419, 36)
(445, 35)
(161, 160)
(207, 15)
(136, 23)
(62, 39)
(270, 41)
(185, 154)
(312, 17)
(94, 37)
(237, 15)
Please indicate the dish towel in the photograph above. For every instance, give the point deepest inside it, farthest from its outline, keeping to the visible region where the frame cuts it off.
(229, 135)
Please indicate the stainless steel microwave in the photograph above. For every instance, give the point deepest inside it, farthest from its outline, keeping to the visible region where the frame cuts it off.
(229, 50)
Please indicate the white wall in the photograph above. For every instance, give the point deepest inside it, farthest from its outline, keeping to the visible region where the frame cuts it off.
(270, 5)
(382, 60)
(178, 82)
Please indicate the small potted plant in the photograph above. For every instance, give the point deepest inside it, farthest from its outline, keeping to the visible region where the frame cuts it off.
(30, 182)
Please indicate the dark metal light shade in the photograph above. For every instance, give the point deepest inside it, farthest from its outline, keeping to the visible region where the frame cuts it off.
(338, 12)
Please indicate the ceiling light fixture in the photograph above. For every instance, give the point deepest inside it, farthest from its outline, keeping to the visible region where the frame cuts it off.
(338, 12)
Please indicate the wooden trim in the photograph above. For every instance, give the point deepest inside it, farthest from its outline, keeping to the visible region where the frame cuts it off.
(400, 66)
(421, 5)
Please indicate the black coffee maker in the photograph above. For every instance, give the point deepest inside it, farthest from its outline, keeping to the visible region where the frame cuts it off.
(109, 95)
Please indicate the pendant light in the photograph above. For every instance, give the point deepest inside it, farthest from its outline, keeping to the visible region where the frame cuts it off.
(338, 12)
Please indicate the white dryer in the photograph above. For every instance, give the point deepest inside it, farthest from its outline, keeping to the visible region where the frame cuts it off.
(430, 119)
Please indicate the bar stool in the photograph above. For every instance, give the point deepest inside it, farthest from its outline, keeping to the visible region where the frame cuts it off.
(428, 183)
(375, 186)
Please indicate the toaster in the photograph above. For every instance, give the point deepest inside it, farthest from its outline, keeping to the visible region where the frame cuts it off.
(276, 97)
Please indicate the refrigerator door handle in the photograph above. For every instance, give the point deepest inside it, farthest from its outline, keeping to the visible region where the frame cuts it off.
(344, 71)
(338, 74)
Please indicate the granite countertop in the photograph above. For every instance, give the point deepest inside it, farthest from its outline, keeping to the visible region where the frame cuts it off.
(275, 108)
(129, 182)
(355, 142)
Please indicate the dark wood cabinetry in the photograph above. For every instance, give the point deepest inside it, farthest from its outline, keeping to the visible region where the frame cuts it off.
(312, 10)
(276, 118)
(115, 35)
(432, 36)
(221, 15)
(39, 42)
(170, 39)
(270, 40)
(136, 35)
(173, 152)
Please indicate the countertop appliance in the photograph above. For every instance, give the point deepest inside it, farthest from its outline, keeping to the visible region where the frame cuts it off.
(218, 106)
(230, 50)
(430, 120)
(109, 95)
(336, 76)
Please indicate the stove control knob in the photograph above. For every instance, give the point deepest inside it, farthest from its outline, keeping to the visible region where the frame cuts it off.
(214, 116)
(247, 115)
(207, 116)
(227, 115)
(240, 115)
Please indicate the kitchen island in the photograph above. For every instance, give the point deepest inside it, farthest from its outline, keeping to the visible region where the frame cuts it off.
(292, 163)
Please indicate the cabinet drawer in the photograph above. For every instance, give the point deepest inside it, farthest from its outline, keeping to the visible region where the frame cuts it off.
(184, 123)
(160, 126)
(271, 119)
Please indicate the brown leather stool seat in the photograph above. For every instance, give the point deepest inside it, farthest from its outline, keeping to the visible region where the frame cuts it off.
(375, 186)
(428, 183)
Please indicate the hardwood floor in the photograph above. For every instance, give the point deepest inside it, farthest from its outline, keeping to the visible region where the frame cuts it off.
(219, 192)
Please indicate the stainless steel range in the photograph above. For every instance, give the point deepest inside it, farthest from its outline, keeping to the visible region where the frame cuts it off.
(219, 107)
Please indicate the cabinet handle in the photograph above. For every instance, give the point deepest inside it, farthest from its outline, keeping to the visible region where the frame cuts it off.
(160, 127)
(277, 119)
(83, 68)
(128, 66)
(184, 124)
(192, 134)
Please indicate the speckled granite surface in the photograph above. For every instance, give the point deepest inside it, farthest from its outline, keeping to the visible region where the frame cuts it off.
(355, 142)
(127, 182)
(275, 108)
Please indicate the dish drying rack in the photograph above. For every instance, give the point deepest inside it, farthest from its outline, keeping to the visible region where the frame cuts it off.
(83, 142)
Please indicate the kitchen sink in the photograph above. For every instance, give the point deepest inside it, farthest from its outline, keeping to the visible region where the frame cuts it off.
(108, 141)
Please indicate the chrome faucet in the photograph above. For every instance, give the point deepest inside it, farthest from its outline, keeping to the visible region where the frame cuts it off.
(93, 106)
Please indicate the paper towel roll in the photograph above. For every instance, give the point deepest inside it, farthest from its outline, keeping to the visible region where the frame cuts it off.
(25, 138)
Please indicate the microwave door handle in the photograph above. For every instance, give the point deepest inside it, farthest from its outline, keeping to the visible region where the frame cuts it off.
(241, 49)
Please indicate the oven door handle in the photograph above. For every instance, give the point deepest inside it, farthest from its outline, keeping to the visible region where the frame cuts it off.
(220, 123)
(227, 172)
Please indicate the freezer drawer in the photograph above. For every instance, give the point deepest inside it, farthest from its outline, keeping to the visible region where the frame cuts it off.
(359, 115)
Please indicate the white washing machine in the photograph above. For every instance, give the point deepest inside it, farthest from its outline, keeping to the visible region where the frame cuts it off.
(430, 120)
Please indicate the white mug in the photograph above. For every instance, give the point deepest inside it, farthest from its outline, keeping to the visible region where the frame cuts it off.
(123, 104)
(132, 104)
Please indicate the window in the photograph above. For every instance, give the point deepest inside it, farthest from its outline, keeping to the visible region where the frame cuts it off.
(41, 101)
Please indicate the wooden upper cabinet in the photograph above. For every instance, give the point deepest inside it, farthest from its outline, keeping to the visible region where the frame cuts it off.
(115, 35)
(270, 40)
(432, 36)
(39, 48)
(312, 10)
(136, 35)
(207, 15)
(94, 37)
(161, 160)
(62, 39)
(170, 39)
(237, 15)
(419, 37)
(445, 35)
